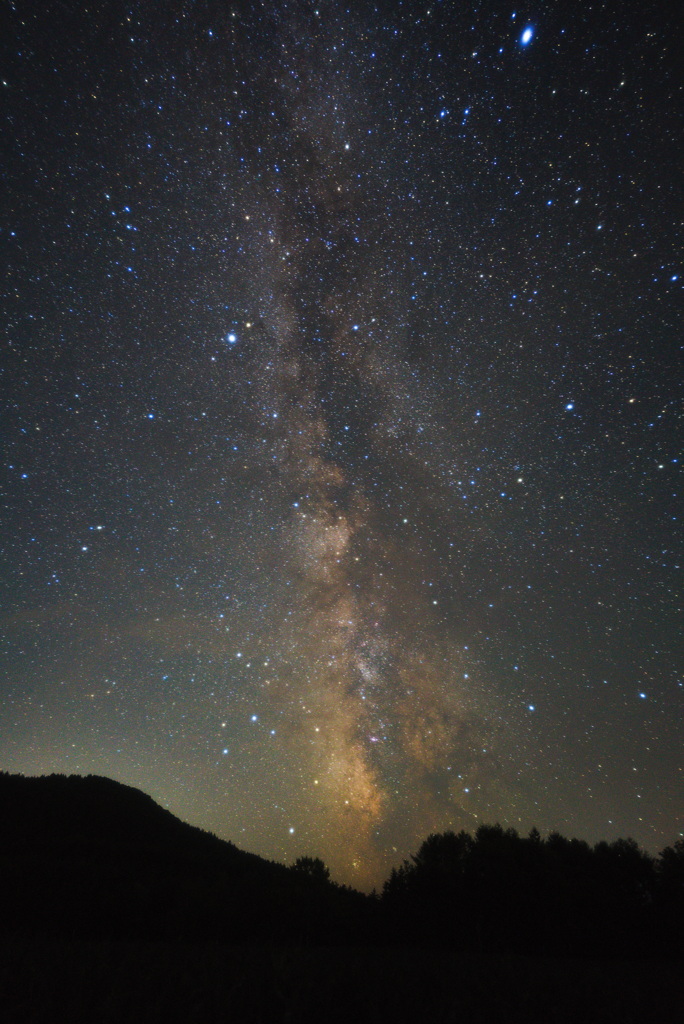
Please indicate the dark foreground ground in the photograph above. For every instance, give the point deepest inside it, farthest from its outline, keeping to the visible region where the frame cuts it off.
(113, 983)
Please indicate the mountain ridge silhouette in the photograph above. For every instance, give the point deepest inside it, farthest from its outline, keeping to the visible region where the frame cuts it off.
(90, 857)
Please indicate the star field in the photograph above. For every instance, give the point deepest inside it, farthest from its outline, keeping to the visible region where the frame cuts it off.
(342, 417)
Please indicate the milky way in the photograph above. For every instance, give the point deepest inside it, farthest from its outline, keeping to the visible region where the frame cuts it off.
(342, 439)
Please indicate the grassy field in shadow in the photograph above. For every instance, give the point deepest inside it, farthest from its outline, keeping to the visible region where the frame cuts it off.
(157, 983)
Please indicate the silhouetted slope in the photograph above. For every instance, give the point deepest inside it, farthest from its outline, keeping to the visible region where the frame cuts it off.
(60, 810)
(90, 857)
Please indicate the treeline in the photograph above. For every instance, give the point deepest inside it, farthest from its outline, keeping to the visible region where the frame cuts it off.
(501, 892)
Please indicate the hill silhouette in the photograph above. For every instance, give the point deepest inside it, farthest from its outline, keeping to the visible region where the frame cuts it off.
(89, 857)
(58, 810)
(113, 909)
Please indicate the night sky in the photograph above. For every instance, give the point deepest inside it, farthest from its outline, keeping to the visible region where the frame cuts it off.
(341, 416)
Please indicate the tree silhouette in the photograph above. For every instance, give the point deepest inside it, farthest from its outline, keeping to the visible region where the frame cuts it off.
(311, 867)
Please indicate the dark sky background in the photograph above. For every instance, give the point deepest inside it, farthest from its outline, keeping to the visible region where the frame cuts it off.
(340, 390)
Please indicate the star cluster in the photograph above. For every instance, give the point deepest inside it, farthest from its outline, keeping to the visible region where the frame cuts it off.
(342, 419)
